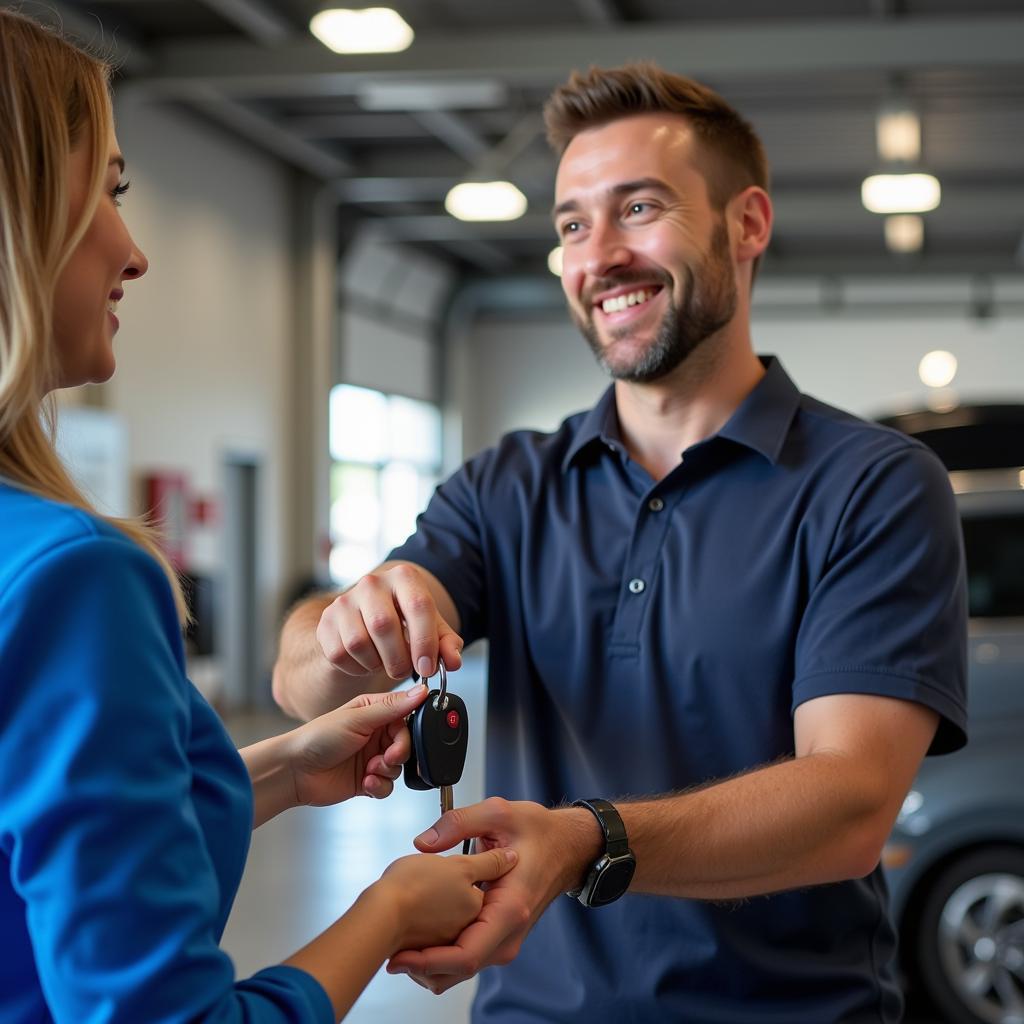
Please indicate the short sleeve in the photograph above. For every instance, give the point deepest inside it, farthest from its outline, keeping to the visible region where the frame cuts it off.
(888, 615)
(96, 820)
(448, 542)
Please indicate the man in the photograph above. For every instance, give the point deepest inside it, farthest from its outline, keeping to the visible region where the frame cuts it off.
(709, 588)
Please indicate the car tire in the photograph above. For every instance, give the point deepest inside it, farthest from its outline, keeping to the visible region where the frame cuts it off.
(970, 938)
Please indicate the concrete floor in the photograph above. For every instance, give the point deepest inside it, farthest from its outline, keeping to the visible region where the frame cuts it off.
(308, 865)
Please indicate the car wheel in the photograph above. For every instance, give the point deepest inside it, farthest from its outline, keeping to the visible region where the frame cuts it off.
(970, 940)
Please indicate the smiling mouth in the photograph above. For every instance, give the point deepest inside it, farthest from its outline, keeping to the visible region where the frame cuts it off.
(618, 303)
(111, 305)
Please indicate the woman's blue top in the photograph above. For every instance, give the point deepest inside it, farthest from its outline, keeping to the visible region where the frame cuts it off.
(125, 810)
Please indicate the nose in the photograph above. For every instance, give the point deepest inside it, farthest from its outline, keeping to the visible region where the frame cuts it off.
(137, 264)
(605, 250)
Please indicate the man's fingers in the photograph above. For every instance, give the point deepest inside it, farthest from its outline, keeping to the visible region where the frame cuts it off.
(344, 631)
(333, 648)
(416, 605)
(450, 645)
(489, 818)
(445, 833)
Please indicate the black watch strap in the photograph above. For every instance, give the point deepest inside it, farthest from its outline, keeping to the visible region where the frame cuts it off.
(616, 842)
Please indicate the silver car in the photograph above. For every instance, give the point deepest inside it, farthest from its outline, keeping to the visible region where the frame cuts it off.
(955, 860)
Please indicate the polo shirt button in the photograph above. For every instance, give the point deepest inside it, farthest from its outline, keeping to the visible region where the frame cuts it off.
(655, 504)
(636, 586)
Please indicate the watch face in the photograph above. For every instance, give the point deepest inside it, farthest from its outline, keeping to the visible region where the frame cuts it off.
(613, 881)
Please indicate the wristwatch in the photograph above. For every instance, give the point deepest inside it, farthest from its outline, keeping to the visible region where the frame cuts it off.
(611, 873)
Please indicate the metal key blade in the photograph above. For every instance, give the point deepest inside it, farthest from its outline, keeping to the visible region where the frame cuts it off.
(447, 799)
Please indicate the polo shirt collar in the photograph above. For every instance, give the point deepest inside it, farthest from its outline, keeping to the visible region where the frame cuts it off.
(763, 418)
(599, 426)
(761, 422)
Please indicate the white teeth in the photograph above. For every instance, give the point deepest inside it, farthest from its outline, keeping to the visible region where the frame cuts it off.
(112, 305)
(621, 302)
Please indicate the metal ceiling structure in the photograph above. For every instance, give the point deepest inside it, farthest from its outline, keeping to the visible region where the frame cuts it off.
(391, 133)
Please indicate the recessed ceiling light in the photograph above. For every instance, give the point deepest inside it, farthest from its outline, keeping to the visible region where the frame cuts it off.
(370, 30)
(485, 200)
(904, 232)
(898, 134)
(900, 193)
(937, 369)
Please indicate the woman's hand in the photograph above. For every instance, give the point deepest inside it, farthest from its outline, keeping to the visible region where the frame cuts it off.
(355, 750)
(430, 898)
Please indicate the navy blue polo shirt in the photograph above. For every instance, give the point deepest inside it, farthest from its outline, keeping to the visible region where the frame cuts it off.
(647, 637)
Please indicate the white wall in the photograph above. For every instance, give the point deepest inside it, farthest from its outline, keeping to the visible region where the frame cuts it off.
(531, 371)
(203, 348)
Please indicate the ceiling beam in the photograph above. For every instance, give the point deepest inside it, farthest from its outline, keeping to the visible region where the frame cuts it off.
(599, 12)
(254, 17)
(353, 126)
(304, 67)
(485, 255)
(442, 228)
(265, 132)
(454, 132)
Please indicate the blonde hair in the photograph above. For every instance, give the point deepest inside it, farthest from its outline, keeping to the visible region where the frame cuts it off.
(54, 98)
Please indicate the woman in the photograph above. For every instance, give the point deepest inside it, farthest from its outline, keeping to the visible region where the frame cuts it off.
(125, 811)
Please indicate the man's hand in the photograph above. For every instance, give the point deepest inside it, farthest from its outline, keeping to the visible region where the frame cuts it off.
(389, 621)
(333, 648)
(554, 847)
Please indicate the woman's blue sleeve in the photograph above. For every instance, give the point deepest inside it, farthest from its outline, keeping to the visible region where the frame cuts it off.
(96, 818)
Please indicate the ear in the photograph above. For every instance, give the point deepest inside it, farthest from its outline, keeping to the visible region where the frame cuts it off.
(751, 216)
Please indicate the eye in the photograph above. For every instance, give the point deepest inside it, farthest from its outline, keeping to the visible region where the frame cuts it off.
(570, 227)
(639, 207)
(119, 190)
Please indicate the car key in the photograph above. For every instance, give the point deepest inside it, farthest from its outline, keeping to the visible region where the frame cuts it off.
(439, 728)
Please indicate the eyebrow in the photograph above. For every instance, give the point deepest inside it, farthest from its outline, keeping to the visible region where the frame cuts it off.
(623, 188)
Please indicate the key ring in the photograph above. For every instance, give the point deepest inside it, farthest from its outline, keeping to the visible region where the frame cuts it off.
(441, 700)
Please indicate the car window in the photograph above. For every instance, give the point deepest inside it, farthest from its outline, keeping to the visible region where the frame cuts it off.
(995, 565)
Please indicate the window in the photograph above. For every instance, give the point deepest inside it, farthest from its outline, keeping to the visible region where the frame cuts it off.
(386, 459)
(995, 565)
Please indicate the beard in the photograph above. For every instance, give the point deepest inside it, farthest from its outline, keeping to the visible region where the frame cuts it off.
(709, 303)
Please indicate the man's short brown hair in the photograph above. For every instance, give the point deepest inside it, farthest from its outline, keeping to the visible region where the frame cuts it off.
(732, 157)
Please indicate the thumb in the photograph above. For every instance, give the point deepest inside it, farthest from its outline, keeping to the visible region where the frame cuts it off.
(486, 867)
(375, 710)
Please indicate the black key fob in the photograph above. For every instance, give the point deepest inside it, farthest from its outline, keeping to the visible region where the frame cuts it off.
(411, 770)
(440, 739)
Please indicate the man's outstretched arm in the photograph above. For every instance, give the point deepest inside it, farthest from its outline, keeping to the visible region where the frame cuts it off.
(822, 816)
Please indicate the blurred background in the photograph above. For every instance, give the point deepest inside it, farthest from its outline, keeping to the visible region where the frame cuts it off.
(329, 326)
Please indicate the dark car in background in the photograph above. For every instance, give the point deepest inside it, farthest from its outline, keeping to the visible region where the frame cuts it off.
(955, 859)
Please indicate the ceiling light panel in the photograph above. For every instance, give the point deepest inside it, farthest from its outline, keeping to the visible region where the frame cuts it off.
(898, 135)
(369, 30)
(904, 232)
(901, 193)
(485, 201)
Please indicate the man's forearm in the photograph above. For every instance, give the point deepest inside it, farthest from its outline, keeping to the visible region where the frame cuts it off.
(801, 822)
(305, 684)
